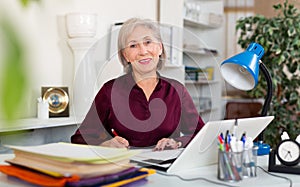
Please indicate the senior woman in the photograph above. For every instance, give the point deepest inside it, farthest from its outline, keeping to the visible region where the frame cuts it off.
(140, 108)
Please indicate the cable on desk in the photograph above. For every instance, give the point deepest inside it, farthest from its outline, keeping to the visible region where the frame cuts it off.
(286, 178)
(197, 178)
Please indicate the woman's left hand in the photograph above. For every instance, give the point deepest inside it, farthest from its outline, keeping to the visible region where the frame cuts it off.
(167, 143)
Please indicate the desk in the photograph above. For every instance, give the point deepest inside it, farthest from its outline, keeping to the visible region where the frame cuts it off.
(208, 172)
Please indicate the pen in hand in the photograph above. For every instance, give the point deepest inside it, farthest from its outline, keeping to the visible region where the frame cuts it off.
(114, 132)
(120, 139)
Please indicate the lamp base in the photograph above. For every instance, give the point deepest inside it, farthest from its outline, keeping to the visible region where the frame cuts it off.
(263, 149)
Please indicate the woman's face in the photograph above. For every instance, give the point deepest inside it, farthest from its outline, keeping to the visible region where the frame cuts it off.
(142, 51)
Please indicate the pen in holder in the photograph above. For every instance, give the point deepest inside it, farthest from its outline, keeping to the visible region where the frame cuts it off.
(249, 162)
(230, 165)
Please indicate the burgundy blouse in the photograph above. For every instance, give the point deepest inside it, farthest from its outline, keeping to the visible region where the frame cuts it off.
(122, 105)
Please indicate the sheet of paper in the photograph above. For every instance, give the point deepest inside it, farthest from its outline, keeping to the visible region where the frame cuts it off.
(158, 155)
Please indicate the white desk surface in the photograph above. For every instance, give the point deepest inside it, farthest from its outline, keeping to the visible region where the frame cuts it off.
(207, 172)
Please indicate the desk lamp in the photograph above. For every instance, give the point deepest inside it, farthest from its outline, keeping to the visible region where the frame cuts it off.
(241, 71)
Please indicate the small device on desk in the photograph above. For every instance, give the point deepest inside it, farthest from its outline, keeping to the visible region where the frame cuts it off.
(288, 154)
(263, 149)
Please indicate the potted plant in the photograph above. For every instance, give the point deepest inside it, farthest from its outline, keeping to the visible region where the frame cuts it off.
(280, 37)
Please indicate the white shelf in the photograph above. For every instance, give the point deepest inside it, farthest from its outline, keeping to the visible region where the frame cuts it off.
(201, 23)
(196, 51)
(207, 110)
(200, 51)
(35, 123)
(201, 82)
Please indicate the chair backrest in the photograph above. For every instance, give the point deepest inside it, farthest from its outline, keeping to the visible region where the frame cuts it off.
(242, 109)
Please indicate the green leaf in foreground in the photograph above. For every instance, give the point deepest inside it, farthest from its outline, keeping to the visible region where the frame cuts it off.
(14, 79)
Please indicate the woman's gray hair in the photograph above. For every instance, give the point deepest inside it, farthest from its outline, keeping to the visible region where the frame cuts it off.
(125, 31)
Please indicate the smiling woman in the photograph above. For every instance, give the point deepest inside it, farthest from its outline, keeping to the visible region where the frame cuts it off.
(142, 51)
(144, 108)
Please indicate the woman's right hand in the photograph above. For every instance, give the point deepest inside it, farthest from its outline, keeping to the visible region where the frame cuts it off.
(116, 142)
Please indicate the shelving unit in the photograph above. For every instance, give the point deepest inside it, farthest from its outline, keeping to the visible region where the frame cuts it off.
(203, 45)
(171, 28)
(199, 44)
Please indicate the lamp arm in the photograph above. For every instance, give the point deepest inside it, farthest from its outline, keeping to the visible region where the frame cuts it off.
(268, 98)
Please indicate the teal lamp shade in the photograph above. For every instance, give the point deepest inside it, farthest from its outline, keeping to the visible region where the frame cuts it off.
(242, 70)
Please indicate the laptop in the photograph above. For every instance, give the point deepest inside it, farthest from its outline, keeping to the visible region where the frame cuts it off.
(203, 149)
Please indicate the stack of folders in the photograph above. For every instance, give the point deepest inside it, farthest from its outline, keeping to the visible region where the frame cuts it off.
(65, 164)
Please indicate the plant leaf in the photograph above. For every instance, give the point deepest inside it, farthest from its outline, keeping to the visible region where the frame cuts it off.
(14, 78)
(24, 2)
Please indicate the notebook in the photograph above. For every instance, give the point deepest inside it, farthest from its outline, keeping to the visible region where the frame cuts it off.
(202, 150)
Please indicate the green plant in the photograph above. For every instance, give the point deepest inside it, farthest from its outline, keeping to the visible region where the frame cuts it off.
(13, 75)
(280, 37)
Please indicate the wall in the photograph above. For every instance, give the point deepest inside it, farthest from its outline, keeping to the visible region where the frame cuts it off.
(266, 7)
(41, 27)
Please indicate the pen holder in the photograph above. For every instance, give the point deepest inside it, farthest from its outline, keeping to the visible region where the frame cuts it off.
(249, 162)
(230, 165)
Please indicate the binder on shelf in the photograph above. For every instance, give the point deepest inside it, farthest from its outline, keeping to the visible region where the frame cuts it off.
(196, 74)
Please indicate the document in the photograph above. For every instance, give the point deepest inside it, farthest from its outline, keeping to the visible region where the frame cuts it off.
(67, 152)
(66, 159)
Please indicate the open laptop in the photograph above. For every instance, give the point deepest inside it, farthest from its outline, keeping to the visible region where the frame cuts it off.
(202, 150)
